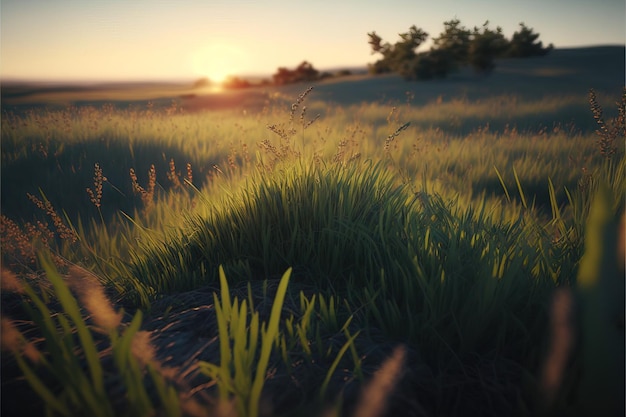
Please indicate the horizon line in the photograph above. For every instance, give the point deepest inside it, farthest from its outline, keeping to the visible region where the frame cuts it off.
(191, 79)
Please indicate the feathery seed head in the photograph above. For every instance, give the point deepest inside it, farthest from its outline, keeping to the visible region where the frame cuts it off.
(91, 294)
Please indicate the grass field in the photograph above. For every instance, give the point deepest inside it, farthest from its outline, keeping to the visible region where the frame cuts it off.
(365, 247)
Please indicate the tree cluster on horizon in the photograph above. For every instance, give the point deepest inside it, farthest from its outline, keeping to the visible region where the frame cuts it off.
(304, 72)
(456, 46)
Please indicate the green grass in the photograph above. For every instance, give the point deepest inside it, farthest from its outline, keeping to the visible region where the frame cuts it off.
(60, 148)
(444, 228)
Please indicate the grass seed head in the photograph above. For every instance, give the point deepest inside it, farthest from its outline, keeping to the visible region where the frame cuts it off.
(142, 349)
(95, 195)
(91, 294)
(608, 133)
(561, 344)
(11, 339)
(10, 282)
(17, 243)
(376, 394)
(63, 231)
(298, 102)
(189, 177)
(172, 175)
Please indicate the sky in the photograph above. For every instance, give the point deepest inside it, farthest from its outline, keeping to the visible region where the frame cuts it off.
(134, 40)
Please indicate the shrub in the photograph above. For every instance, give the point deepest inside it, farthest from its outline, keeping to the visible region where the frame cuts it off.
(303, 72)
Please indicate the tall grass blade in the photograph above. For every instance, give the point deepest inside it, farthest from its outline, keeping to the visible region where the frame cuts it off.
(269, 337)
(504, 187)
(335, 364)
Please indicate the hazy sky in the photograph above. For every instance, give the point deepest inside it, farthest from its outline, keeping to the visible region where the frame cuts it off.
(165, 39)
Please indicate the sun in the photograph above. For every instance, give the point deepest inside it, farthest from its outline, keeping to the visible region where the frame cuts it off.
(219, 61)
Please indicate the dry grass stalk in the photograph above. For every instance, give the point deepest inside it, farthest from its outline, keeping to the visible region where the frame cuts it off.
(394, 135)
(12, 340)
(303, 121)
(142, 349)
(341, 151)
(92, 296)
(608, 134)
(10, 282)
(285, 135)
(189, 178)
(299, 100)
(392, 116)
(232, 158)
(63, 231)
(15, 243)
(375, 395)
(218, 170)
(267, 145)
(172, 175)
(151, 181)
(95, 195)
(561, 343)
(144, 353)
(193, 408)
(146, 194)
(19, 244)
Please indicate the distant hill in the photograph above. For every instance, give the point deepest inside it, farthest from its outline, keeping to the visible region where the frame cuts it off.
(565, 71)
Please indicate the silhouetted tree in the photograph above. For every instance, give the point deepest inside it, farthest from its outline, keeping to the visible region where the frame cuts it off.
(306, 72)
(235, 83)
(455, 41)
(282, 76)
(456, 46)
(377, 45)
(435, 63)
(201, 82)
(485, 46)
(442, 61)
(379, 67)
(303, 72)
(524, 44)
(396, 57)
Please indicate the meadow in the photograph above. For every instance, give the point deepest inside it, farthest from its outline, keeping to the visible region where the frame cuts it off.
(361, 247)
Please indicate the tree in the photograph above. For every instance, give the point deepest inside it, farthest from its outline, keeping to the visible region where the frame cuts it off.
(282, 76)
(306, 72)
(485, 46)
(233, 83)
(382, 65)
(377, 45)
(303, 72)
(524, 44)
(379, 67)
(456, 46)
(201, 83)
(435, 63)
(441, 61)
(396, 56)
(455, 41)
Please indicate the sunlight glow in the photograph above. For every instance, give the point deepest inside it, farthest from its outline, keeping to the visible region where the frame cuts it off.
(218, 61)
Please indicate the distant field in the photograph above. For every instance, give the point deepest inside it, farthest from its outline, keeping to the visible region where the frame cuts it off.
(530, 98)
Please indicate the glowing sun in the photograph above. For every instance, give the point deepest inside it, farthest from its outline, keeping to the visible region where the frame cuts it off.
(218, 61)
